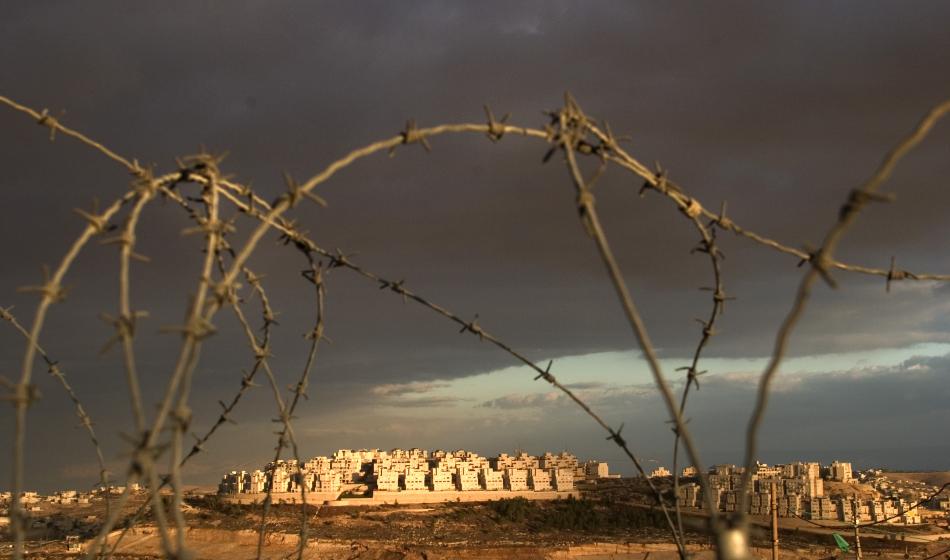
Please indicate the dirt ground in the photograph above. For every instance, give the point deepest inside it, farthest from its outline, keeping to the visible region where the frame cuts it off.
(936, 478)
(616, 521)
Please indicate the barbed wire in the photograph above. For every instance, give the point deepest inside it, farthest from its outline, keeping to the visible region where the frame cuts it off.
(570, 132)
(337, 259)
(247, 382)
(261, 351)
(84, 419)
(50, 292)
(708, 246)
(819, 260)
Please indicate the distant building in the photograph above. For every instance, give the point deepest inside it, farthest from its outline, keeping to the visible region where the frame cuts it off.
(840, 472)
(440, 481)
(516, 479)
(387, 480)
(660, 472)
(539, 480)
(563, 479)
(596, 469)
(414, 480)
(491, 479)
(466, 479)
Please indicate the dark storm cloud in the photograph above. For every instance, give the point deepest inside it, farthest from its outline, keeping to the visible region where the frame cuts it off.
(779, 109)
(874, 412)
(892, 416)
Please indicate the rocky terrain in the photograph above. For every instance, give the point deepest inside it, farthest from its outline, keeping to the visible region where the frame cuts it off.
(614, 520)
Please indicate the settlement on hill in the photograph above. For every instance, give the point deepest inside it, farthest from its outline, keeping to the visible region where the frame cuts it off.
(413, 476)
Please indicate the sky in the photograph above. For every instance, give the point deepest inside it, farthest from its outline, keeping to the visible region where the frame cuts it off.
(777, 109)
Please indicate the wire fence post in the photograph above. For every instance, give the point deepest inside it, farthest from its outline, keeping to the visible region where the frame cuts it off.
(857, 532)
(774, 508)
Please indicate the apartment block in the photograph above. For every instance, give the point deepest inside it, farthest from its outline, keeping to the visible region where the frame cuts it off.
(539, 480)
(563, 479)
(466, 479)
(440, 481)
(387, 480)
(414, 480)
(660, 472)
(491, 479)
(516, 479)
(840, 472)
(596, 469)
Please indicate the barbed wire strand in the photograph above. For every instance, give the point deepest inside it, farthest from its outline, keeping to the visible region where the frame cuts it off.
(193, 331)
(571, 129)
(286, 437)
(227, 409)
(50, 291)
(221, 295)
(125, 322)
(43, 118)
(496, 130)
(214, 229)
(146, 451)
(663, 185)
(857, 200)
(84, 419)
(341, 259)
(315, 276)
(261, 349)
(708, 246)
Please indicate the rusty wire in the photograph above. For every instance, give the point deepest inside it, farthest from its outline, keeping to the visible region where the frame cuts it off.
(708, 246)
(336, 259)
(570, 132)
(84, 419)
(227, 409)
(820, 260)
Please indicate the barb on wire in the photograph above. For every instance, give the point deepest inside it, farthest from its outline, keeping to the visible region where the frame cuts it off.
(260, 348)
(286, 437)
(657, 180)
(205, 165)
(570, 132)
(49, 293)
(821, 261)
(227, 409)
(708, 246)
(125, 322)
(84, 419)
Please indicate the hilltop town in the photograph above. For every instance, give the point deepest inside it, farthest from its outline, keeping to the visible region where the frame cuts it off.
(809, 491)
(414, 475)
(517, 502)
